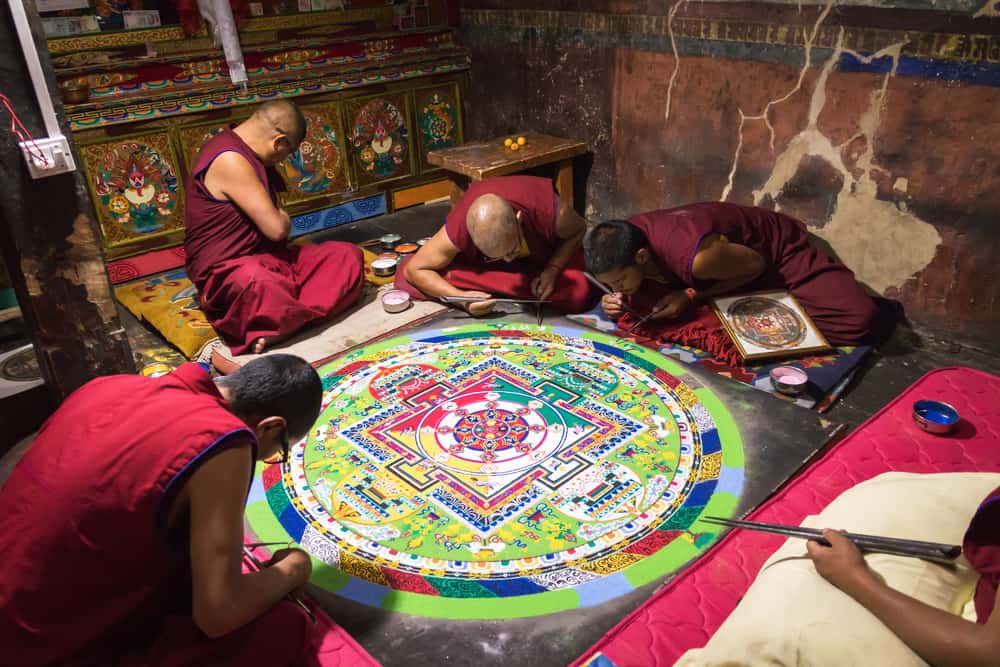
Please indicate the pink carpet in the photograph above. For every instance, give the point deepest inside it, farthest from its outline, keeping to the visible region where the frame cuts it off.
(685, 613)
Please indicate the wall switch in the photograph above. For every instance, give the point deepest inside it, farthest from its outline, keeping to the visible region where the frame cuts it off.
(58, 158)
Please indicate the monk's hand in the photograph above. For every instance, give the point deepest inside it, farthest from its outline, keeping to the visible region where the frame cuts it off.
(479, 308)
(545, 283)
(841, 563)
(671, 306)
(613, 305)
(294, 563)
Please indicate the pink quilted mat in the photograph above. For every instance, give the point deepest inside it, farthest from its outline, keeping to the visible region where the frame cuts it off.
(685, 613)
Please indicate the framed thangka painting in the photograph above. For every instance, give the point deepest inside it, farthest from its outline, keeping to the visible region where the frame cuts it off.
(769, 324)
(380, 138)
(194, 137)
(135, 189)
(319, 166)
(439, 120)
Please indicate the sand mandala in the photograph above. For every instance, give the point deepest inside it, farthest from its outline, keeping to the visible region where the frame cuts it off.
(492, 471)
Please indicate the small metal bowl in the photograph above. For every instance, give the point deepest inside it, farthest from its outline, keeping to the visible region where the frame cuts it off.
(789, 380)
(389, 242)
(383, 268)
(395, 301)
(935, 416)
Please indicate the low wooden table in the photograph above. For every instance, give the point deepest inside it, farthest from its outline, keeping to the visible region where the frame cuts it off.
(478, 161)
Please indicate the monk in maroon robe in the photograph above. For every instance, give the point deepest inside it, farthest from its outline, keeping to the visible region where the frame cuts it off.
(254, 287)
(939, 637)
(671, 262)
(122, 525)
(507, 237)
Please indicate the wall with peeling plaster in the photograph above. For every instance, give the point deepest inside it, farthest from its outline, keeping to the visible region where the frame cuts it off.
(879, 127)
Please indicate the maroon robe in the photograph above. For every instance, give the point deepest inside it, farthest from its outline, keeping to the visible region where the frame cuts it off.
(825, 288)
(538, 205)
(982, 549)
(91, 571)
(251, 287)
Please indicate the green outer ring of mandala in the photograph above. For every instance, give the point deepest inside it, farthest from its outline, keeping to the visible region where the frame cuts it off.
(660, 536)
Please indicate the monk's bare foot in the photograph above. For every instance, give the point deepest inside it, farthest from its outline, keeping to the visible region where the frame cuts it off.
(223, 365)
(260, 344)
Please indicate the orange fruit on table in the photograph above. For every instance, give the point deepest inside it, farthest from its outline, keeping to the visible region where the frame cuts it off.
(521, 141)
(507, 141)
(514, 147)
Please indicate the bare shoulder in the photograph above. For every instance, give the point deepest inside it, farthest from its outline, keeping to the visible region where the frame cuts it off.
(228, 469)
(226, 170)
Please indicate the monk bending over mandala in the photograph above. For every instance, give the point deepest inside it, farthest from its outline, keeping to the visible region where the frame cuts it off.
(255, 288)
(122, 525)
(671, 261)
(516, 220)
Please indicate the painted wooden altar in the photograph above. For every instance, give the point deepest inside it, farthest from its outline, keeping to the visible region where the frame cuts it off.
(376, 100)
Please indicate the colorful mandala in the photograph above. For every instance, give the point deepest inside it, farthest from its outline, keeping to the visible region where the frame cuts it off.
(766, 323)
(502, 470)
(379, 138)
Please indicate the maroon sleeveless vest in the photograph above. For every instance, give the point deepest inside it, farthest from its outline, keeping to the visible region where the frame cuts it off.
(84, 512)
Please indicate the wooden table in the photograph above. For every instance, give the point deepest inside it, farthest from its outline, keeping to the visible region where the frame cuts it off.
(491, 158)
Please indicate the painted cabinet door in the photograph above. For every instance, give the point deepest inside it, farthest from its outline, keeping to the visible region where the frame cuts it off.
(135, 189)
(319, 166)
(380, 138)
(193, 137)
(439, 120)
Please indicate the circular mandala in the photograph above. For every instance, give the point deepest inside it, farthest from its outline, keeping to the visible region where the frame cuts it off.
(21, 367)
(498, 471)
(766, 323)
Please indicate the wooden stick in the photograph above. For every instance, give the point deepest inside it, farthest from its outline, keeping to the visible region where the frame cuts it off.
(934, 551)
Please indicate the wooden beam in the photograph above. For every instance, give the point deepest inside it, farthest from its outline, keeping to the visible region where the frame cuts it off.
(51, 244)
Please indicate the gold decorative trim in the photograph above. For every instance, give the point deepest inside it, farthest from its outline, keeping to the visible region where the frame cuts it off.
(945, 46)
(123, 38)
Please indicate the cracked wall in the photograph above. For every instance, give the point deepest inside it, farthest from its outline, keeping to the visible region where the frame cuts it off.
(878, 130)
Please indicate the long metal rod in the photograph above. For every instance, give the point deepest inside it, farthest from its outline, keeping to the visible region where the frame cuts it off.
(890, 545)
(474, 299)
(291, 596)
(604, 288)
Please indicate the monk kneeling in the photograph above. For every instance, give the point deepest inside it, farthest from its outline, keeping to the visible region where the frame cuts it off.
(514, 219)
(686, 255)
(122, 525)
(256, 289)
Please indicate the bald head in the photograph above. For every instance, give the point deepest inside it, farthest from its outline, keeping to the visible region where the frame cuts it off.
(492, 226)
(274, 131)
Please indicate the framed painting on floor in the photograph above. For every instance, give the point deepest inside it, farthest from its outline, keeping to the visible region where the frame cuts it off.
(769, 324)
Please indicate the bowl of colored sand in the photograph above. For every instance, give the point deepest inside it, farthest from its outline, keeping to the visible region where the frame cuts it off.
(389, 255)
(935, 416)
(389, 241)
(383, 268)
(406, 248)
(422, 242)
(395, 301)
(789, 380)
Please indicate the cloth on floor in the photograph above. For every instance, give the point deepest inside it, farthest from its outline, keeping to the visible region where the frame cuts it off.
(829, 374)
(811, 622)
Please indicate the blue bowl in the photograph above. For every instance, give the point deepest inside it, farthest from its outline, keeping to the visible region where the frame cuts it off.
(935, 417)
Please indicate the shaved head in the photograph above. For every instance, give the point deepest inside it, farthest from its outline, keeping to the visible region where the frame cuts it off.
(285, 117)
(493, 226)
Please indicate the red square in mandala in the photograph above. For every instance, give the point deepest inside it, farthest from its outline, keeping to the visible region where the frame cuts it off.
(271, 476)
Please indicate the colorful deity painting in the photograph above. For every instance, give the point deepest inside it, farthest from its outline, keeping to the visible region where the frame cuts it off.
(766, 324)
(437, 116)
(317, 167)
(135, 187)
(380, 139)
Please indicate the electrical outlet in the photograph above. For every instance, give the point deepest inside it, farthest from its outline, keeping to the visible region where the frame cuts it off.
(58, 158)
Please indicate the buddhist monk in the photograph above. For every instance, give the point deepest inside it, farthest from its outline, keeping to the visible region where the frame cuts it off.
(255, 288)
(506, 237)
(677, 259)
(122, 525)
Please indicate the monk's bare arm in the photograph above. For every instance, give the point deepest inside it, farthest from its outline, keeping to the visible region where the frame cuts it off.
(424, 270)
(231, 177)
(729, 265)
(570, 228)
(941, 638)
(224, 598)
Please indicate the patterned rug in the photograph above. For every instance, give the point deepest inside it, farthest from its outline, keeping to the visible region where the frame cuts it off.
(829, 374)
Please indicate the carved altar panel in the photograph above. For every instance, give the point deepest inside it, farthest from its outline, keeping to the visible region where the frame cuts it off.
(380, 137)
(438, 120)
(319, 166)
(135, 189)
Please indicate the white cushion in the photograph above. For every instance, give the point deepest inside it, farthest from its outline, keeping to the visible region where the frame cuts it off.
(792, 616)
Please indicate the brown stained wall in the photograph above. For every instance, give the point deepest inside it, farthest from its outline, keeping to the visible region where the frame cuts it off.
(898, 170)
